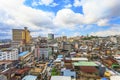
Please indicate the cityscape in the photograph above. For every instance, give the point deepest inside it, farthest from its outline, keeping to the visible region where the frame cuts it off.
(60, 40)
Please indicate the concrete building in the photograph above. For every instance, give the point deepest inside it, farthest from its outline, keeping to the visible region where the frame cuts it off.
(25, 56)
(41, 53)
(21, 35)
(50, 36)
(5, 45)
(9, 54)
(5, 65)
(41, 50)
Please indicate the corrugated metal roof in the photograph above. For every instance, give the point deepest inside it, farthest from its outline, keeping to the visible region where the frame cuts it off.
(69, 73)
(30, 77)
(84, 63)
(60, 78)
(23, 53)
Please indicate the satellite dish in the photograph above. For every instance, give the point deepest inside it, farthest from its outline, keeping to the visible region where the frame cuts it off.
(3, 77)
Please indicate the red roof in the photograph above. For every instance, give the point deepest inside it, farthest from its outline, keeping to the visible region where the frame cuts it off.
(88, 69)
(22, 71)
(112, 59)
(67, 61)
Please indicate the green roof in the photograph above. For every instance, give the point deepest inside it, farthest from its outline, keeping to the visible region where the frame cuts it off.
(83, 63)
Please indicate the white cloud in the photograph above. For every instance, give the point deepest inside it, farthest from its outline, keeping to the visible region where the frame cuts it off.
(105, 33)
(103, 22)
(34, 3)
(77, 3)
(54, 4)
(114, 30)
(45, 2)
(98, 12)
(95, 10)
(50, 3)
(68, 6)
(67, 18)
(16, 14)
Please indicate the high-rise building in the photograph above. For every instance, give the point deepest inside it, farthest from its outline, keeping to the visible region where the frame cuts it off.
(50, 36)
(21, 35)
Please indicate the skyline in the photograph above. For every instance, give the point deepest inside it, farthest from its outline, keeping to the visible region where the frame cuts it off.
(64, 17)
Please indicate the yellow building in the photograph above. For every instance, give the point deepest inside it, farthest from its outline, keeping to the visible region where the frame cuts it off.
(26, 37)
(21, 35)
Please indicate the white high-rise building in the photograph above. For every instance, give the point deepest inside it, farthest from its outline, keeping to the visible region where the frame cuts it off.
(9, 54)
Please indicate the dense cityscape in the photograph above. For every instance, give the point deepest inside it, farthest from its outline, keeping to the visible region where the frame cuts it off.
(59, 58)
(59, 39)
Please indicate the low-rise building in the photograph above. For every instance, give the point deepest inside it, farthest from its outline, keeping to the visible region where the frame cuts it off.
(5, 65)
(30, 77)
(69, 73)
(25, 56)
(39, 70)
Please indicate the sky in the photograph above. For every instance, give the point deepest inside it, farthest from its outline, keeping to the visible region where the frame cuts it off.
(60, 17)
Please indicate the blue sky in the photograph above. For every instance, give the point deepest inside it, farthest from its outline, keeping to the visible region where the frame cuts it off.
(61, 17)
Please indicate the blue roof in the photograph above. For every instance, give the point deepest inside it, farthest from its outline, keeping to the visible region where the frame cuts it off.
(69, 73)
(23, 53)
(60, 56)
(104, 78)
(30, 77)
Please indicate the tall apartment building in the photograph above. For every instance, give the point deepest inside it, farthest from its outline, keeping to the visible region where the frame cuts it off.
(9, 54)
(21, 35)
(42, 50)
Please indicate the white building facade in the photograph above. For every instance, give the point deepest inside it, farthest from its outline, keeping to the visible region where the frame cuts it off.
(9, 54)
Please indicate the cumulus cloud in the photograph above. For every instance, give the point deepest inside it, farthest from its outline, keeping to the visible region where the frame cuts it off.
(16, 15)
(77, 3)
(67, 18)
(45, 2)
(98, 12)
(68, 6)
(95, 10)
(103, 22)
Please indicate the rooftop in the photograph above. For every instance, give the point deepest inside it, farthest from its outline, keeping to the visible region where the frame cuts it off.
(69, 73)
(30, 77)
(60, 78)
(79, 59)
(36, 71)
(23, 53)
(88, 69)
(114, 77)
(22, 71)
(84, 63)
(60, 56)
